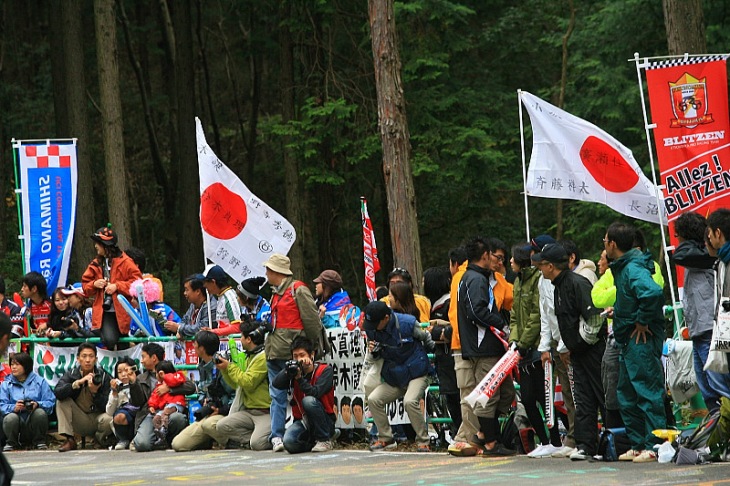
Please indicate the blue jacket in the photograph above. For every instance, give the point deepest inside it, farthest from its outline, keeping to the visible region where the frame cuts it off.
(34, 388)
(402, 349)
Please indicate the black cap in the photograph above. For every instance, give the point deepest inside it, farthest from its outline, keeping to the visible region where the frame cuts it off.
(374, 313)
(539, 242)
(553, 253)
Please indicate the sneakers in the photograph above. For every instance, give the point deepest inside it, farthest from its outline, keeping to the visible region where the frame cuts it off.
(498, 450)
(322, 446)
(462, 449)
(629, 455)
(645, 456)
(42, 446)
(380, 445)
(121, 445)
(278, 444)
(543, 450)
(8, 448)
(580, 455)
(563, 452)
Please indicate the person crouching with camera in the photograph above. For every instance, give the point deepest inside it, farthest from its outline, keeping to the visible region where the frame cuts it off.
(248, 423)
(26, 401)
(81, 396)
(214, 395)
(312, 385)
(118, 406)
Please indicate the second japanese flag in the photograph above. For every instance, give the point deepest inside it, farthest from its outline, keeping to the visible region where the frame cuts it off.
(574, 159)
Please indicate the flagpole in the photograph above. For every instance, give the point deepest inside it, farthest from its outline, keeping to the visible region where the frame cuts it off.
(659, 196)
(524, 170)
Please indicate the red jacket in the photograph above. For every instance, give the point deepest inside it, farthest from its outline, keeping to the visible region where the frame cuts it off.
(123, 273)
(328, 399)
(172, 380)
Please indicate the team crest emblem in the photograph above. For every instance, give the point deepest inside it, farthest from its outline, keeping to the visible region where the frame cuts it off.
(689, 102)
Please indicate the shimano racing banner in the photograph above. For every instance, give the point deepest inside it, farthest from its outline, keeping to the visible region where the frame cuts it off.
(47, 183)
(689, 106)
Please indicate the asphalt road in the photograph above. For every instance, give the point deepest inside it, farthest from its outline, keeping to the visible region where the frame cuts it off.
(339, 467)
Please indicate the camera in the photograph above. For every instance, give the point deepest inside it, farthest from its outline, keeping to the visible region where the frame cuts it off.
(293, 367)
(202, 412)
(726, 305)
(219, 357)
(28, 403)
(108, 302)
(98, 378)
(67, 322)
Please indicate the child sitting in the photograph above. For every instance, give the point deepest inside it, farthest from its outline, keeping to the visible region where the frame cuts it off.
(162, 406)
(159, 312)
(118, 406)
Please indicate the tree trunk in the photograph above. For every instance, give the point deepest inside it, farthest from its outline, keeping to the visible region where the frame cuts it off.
(58, 75)
(190, 237)
(78, 123)
(685, 25)
(395, 139)
(291, 165)
(111, 116)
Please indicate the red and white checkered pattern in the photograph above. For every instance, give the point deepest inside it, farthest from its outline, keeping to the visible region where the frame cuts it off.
(41, 156)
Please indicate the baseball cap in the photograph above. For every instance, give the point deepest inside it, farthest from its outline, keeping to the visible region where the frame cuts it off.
(538, 242)
(374, 313)
(552, 253)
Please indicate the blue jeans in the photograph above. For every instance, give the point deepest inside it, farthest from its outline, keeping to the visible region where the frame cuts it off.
(316, 426)
(145, 436)
(712, 385)
(278, 399)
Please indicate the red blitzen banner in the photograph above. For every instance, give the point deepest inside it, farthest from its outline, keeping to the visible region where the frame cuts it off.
(689, 105)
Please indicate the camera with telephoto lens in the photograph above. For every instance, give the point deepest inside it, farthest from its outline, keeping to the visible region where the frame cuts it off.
(108, 302)
(98, 378)
(215, 393)
(220, 356)
(28, 403)
(293, 367)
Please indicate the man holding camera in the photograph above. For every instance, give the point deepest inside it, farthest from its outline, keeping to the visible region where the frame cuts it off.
(81, 396)
(248, 421)
(140, 388)
(214, 395)
(312, 385)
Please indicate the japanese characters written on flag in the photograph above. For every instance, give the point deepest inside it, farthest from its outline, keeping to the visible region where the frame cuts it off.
(239, 229)
(689, 106)
(48, 184)
(574, 159)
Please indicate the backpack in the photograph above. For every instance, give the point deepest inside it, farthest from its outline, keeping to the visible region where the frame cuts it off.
(699, 437)
(607, 446)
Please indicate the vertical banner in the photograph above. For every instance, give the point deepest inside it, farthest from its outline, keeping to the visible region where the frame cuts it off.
(240, 231)
(48, 184)
(370, 251)
(689, 106)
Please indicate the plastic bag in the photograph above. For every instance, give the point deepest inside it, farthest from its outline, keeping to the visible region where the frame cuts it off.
(666, 452)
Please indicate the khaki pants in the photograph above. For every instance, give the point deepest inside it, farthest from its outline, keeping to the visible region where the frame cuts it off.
(466, 382)
(249, 427)
(198, 435)
(384, 393)
(562, 372)
(72, 420)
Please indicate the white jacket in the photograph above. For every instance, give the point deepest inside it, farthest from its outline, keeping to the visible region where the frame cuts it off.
(549, 330)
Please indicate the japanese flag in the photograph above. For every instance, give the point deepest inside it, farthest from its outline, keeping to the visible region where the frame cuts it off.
(240, 231)
(574, 159)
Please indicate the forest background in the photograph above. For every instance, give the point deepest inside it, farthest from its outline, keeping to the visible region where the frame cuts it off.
(286, 93)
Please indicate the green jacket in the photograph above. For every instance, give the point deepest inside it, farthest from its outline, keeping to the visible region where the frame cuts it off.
(604, 291)
(638, 297)
(251, 383)
(524, 324)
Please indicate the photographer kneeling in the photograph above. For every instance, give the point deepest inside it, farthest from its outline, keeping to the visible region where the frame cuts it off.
(248, 422)
(314, 397)
(214, 395)
(26, 401)
(81, 396)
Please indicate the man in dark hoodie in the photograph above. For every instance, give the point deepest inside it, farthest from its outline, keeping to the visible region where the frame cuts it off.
(638, 326)
(480, 329)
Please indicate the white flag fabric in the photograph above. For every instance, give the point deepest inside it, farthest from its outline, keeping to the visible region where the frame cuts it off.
(240, 231)
(574, 159)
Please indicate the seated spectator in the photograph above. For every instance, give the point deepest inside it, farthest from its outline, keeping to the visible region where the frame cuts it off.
(399, 340)
(140, 259)
(196, 317)
(141, 388)
(37, 307)
(162, 403)
(77, 299)
(118, 406)
(81, 396)
(228, 309)
(65, 321)
(330, 297)
(214, 396)
(26, 401)
(248, 422)
(252, 303)
(312, 386)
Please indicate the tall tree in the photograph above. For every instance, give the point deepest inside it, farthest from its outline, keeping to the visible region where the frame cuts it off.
(111, 116)
(395, 139)
(76, 119)
(685, 24)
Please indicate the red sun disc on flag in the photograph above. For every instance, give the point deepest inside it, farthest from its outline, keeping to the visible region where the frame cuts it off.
(223, 213)
(607, 166)
(47, 358)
